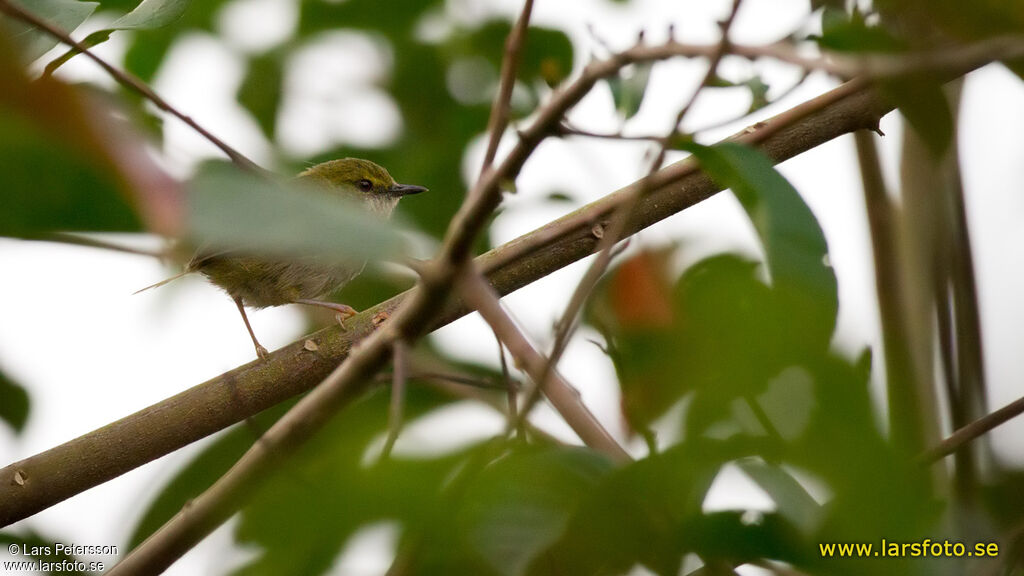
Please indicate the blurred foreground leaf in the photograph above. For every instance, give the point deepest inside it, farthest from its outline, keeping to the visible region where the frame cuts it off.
(521, 504)
(67, 163)
(918, 96)
(65, 14)
(49, 185)
(790, 497)
(332, 488)
(651, 513)
(147, 15)
(235, 210)
(722, 332)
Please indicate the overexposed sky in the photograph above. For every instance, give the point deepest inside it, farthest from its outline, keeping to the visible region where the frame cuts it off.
(91, 352)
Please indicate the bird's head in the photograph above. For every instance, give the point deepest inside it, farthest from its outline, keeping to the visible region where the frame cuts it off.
(363, 181)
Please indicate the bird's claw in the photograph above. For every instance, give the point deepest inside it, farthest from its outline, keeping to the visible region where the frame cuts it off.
(344, 314)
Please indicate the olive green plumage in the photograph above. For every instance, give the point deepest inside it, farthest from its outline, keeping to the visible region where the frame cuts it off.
(260, 282)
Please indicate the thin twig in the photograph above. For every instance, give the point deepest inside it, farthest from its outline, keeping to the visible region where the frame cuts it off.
(512, 398)
(738, 117)
(126, 79)
(90, 242)
(566, 129)
(721, 49)
(397, 397)
(481, 297)
(502, 100)
(459, 379)
(899, 366)
(966, 434)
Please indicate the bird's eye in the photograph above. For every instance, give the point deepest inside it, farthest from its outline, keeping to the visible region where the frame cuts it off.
(365, 185)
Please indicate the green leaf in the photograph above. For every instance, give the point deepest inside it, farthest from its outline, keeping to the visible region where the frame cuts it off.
(235, 210)
(758, 93)
(874, 488)
(559, 197)
(65, 14)
(790, 497)
(795, 246)
(327, 491)
(722, 333)
(651, 513)
(149, 14)
(828, 5)
(47, 185)
(845, 32)
(261, 90)
(521, 504)
(14, 403)
(628, 88)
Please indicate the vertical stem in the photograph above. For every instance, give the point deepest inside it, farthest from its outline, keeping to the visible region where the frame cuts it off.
(905, 420)
(398, 352)
(968, 402)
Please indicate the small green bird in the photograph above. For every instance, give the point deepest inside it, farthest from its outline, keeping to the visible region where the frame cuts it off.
(261, 282)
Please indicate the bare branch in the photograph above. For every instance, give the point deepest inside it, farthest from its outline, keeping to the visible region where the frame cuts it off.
(509, 65)
(512, 396)
(975, 429)
(459, 379)
(89, 242)
(563, 396)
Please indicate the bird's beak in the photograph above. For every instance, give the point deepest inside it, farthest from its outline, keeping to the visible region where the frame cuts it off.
(405, 189)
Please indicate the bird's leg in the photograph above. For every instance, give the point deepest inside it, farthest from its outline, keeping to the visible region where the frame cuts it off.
(343, 310)
(260, 350)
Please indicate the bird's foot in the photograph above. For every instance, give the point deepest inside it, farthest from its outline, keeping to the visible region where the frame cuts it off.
(262, 352)
(344, 311)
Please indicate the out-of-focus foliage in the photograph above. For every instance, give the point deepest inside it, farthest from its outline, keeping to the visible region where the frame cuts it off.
(147, 15)
(233, 209)
(67, 14)
(14, 403)
(900, 26)
(43, 121)
(918, 96)
(749, 357)
(676, 340)
(628, 89)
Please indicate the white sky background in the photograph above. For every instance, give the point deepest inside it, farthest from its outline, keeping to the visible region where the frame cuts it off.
(91, 353)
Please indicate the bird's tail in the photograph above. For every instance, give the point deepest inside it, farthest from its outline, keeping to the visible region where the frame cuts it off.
(184, 272)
